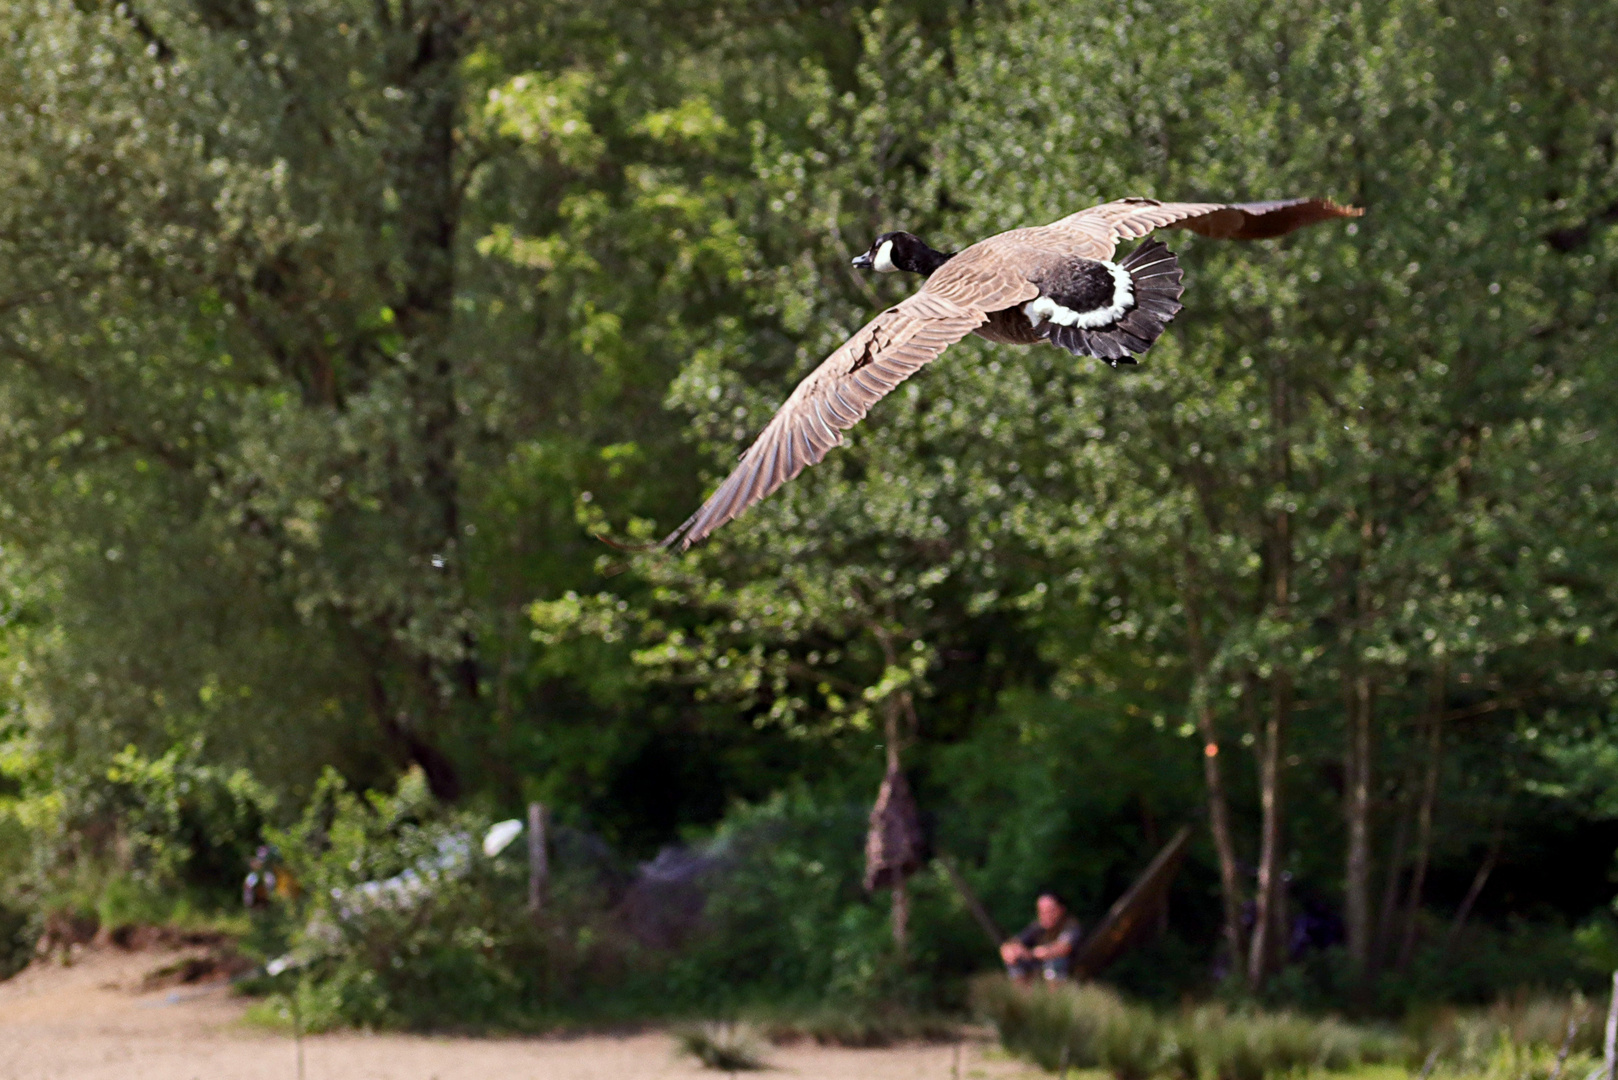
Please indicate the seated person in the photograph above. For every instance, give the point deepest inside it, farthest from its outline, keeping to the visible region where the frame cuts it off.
(1046, 946)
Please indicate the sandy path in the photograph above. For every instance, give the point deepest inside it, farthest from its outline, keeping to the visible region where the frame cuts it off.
(91, 1022)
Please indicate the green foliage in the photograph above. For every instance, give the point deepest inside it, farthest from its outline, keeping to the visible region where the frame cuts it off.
(180, 819)
(329, 332)
(405, 922)
(787, 918)
(1055, 1027)
(1524, 1035)
(726, 1047)
(18, 931)
(1087, 1026)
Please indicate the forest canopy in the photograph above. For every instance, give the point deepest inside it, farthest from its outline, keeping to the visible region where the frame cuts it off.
(330, 333)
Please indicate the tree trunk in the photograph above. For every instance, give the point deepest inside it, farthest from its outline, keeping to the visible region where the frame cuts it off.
(1357, 811)
(1230, 890)
(422, 172)
(1359, 701)
(894, 735)
(1424, 816)
(1265, 920)
(1479, 879)
(1388, 913)
(399, 726)
(1265, 917)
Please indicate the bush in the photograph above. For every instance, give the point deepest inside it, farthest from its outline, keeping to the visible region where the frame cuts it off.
(405, 923)
(727, 1047)
(18, 933)
(154, 829)
(1513, 1038)
(787, 923)
(1058, 1026)
(1086, 1026)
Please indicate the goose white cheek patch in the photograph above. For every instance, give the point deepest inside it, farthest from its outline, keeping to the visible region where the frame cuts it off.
(1046, 309)
(883, 263)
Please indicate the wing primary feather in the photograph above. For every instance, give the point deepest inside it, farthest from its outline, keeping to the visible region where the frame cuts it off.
(838, 394)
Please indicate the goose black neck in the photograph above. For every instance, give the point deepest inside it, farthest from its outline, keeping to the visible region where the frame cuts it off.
(925, 261)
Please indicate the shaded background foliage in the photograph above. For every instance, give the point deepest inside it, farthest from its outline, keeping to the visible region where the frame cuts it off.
(328, 332)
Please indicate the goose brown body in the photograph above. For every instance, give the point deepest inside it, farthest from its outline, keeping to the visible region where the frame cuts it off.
(1012, 288)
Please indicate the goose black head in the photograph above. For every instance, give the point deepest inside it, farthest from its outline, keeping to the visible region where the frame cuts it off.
(902, 251)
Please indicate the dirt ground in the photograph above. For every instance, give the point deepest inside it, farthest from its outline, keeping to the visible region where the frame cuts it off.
(94, 1021)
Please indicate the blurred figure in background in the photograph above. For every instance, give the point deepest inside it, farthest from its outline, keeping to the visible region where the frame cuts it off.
(267, 879)
(1045, 946)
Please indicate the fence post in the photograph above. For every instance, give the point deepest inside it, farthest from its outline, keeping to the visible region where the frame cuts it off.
(538, 862)
(1612, 1031)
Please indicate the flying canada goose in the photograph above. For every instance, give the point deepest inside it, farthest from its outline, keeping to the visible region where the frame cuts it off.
(1055, 283)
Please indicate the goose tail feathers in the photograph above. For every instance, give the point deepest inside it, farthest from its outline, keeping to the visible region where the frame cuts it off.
(1157, 284)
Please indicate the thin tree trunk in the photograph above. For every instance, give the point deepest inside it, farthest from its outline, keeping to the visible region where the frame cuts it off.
(1424, 817)
(1230, 890)
(1265, 916)
(1389, 911)
(1479, 879)
(1357, 810)
(1265, 929)
(539, 866)
(1230, 886)
(1360, 707)
(901, 896)
(1609, 1056)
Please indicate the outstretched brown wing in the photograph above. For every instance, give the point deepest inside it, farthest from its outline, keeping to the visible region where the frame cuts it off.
(1101, 227)
(833, 398)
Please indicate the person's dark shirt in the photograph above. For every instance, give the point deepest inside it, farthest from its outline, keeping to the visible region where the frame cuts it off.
(1035, 935)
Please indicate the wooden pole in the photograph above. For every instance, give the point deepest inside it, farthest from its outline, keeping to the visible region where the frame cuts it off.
(539, 869)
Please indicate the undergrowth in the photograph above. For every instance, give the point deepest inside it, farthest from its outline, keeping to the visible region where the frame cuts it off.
(726, 1047)
(1088, 1026)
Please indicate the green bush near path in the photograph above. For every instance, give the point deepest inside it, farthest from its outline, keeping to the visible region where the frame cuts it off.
(1089, 1026)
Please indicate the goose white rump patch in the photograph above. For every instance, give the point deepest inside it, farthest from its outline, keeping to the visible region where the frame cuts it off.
(1123, 298)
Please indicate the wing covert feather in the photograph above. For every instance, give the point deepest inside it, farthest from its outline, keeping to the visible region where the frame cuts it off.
(833, 398)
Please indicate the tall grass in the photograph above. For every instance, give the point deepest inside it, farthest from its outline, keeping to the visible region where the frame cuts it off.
(1088, 1026)
(1513, 1039)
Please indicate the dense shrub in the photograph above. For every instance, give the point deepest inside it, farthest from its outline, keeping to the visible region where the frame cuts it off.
(726, 1047)
(18, 928)
(785, 915)
(404, 922)
(166, 825)
(1512, 1038)
(1087, 1026)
